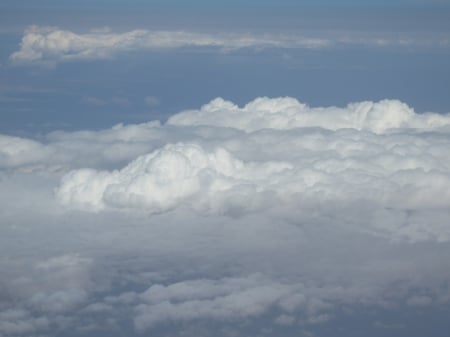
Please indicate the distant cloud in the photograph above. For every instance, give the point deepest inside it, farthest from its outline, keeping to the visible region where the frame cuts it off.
(49, 45)
(226, 299)
(151, 101)
(93, 101)
(116, 100)
(227, 219)
(121, 101)
(288, 113)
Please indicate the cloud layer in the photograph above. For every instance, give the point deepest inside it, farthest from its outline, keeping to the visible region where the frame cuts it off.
(273, 218)
(53, 45)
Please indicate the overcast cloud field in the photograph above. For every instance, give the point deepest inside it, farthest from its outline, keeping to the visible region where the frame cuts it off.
(224, 168)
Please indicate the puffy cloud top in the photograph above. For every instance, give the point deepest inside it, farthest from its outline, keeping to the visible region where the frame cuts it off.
(173, 175)
(287, 113)
(275, 215)
(281, 150)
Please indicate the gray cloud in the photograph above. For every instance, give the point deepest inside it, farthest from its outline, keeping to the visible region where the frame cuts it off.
(151, 101)
(274, 215)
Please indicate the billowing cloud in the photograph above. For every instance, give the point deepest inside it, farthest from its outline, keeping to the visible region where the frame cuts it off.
(288, 113)
(360, 153)
(274, 216)
(48, 45)
(176, 174)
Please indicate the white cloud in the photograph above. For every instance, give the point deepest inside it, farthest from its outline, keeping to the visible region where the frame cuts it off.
(287, 113)
(56, 45)
(50, 45)
(368, 152)
(275, 214)
(174, 175)
(16, 151)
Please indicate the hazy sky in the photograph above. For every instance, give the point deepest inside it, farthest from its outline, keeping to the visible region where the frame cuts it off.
(224, 168)
(392, 49)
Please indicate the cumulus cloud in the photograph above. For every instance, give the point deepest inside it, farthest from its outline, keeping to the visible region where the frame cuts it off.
(176, 174)
(366, 152)
(287, 113)
(42, 44)
(273, 216)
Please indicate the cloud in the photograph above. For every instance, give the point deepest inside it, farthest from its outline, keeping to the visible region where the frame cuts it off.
(96, 101)
(93, 101)
(227, 299)
(55, 45)
(151, 100)
(231, 300)
(419, 301)
(272, 216)
(16, 151)
(358, 154)
(19, 323)
(50, 45)
(176, 174)
(288, 113)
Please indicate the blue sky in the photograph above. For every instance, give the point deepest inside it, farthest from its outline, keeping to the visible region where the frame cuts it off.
(313, 76)
(224, 168)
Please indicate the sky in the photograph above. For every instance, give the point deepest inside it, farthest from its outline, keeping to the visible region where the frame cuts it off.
(362, 58)
(212, 168)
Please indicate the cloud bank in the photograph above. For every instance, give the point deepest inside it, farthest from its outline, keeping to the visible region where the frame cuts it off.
(49, 45)
(273, 218)
(288, 113)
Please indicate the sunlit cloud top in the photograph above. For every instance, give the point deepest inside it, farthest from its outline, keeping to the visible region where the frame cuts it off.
(268, 214)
